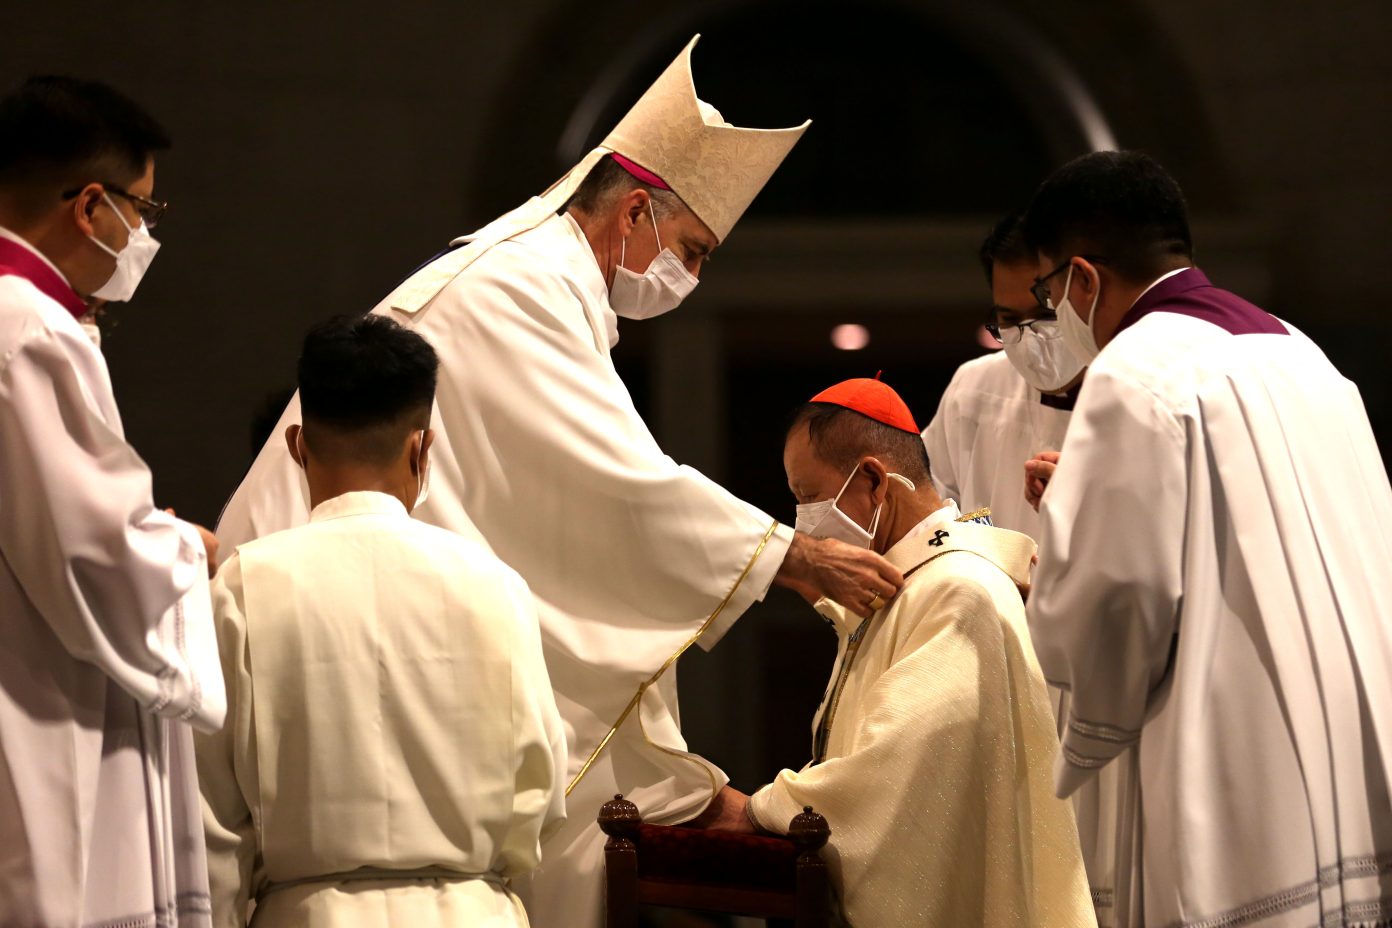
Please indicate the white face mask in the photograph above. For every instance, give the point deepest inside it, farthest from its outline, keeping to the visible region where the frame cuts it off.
(131, 261)
(825, 519)
(1077, 332)
(1042, 357)
(660, 289)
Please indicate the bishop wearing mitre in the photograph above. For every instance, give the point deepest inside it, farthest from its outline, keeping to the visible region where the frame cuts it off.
(933, 752)
(541, 454)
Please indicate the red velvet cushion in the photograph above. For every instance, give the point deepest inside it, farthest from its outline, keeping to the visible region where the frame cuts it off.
(694, 855)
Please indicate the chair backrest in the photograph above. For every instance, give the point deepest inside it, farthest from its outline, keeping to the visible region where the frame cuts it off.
(766, 876)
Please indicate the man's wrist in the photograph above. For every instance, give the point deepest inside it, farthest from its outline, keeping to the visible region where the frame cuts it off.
(795, 571)
(753, 819)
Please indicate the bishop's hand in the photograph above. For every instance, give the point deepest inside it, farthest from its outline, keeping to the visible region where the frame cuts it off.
(858, 579)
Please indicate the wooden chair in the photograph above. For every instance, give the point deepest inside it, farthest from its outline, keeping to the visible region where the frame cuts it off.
(768, 877)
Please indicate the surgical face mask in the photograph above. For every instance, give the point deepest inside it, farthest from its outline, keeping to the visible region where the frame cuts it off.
(825, 519)
(660, 289)
(131, 261)
(1077, 332)
(422, 473)
(1041, 356)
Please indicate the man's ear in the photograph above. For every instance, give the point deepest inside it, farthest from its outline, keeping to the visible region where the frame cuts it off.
(292, 441)
(1087, 275)
(633, 206)
(879, 478)
(85, 206)
(418, 448)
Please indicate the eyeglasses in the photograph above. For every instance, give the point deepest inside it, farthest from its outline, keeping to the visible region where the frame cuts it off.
(1011, 332)
(1040, 287)
(151, 211)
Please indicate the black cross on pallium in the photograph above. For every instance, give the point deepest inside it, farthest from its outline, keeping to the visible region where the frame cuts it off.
(937, 539)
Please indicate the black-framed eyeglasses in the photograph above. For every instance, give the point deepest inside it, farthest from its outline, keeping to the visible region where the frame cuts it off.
(1040, 287)
(1010, 333)
(151, 211)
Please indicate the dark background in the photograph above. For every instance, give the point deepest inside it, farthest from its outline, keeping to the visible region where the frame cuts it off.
(323, 150)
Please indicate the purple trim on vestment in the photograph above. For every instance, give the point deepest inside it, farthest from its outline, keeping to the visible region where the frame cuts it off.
(1065, 401)
(21, 262)
(1189, 293)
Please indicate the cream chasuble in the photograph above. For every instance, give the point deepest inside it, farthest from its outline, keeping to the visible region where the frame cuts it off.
(936, 744)
(1214, 586)
(631, 556)
(393, 754)
(988, 423)
(108, 652)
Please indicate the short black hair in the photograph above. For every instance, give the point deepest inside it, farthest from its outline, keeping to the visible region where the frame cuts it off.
(56, 130)
(365, 384)
(842, 436)
(1119, 205)
(1006, 244)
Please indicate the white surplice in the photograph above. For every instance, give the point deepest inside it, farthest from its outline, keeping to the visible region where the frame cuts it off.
(108, 653)
(392, 754)
(936, 743)
(541, 453)
(1214, 587)
(988, 423)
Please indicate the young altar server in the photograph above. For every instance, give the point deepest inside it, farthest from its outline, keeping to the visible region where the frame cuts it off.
(393, 754)
(1000, 411)
(933, 750)
(1213, 584)
(108, 653)
(631, 556)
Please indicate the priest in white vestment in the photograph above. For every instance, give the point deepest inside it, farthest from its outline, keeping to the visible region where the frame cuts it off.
(1213, 584)
(109, 653)
(393, 754)
(998, 412)
(632, 557)
(933, 749)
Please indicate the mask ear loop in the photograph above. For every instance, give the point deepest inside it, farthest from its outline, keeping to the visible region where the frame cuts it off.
(841, 492)
(420, 466)
(130, 229)
(875, 520)
(654, 222)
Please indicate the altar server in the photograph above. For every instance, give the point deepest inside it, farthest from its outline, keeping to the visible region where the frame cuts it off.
(1213, 584)
(1005, 407)
(541, 453)
(999, 412)
(393, 754)
(108, 652)
(933, 749)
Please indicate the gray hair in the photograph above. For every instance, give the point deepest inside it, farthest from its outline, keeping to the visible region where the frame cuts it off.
(608, 182)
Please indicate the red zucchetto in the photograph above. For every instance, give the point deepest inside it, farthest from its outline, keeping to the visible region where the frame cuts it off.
(871, 397)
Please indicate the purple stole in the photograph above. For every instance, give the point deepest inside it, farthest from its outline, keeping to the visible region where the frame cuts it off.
(19, 261)
(1189, 293)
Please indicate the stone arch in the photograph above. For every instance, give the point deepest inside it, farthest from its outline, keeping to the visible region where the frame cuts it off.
(1076, 87)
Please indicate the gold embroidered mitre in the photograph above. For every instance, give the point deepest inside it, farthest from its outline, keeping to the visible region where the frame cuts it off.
(716, 168)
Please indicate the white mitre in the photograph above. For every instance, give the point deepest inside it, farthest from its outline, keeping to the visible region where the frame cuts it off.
(717, 169)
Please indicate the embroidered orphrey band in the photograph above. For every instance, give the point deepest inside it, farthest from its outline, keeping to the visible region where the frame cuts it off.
(643, 688)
